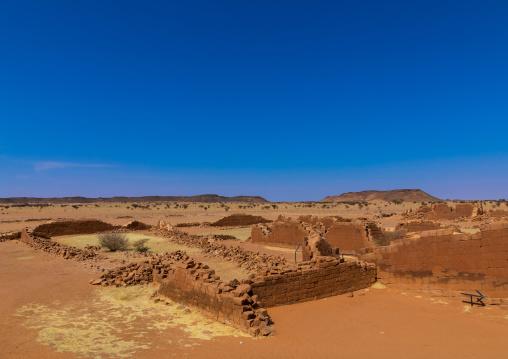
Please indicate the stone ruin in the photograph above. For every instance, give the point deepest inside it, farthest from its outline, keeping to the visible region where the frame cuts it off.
(442, 211)
(445, 263)
(9, 236)
(418, 226)
(437, 261)
(440, 261)
(272, 282)
(349, 237)
(242, 304)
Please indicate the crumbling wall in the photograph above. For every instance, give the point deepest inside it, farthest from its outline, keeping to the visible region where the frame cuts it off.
(444, 263)
(52, 247)
(349, 237)
(283, 231)
(234, 306)
(442, 211)
(314, 246)
(418, 226)
(327, 276)
(314, 220)
(498, 213)
(9, 236)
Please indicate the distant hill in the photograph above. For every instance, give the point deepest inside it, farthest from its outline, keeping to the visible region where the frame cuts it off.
(404, 195)
(200, 198)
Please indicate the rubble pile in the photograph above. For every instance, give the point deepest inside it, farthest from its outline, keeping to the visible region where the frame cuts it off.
(59, 249)
(252, 261)
(141, 272)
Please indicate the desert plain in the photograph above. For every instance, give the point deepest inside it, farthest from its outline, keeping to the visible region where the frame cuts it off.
(49, 307)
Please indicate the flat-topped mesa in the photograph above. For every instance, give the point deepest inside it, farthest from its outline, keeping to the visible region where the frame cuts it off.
(205, 198)
(402, 195)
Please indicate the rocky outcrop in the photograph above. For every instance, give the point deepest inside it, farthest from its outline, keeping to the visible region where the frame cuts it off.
(403, 195)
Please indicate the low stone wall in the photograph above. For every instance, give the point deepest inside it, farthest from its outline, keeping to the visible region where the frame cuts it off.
(52, 247)
(444, 263)
(418, 226)
(234, 306)
(9, 236)
(326, 277)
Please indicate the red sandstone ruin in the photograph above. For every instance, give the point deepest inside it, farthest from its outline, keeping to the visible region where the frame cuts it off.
(438, 261)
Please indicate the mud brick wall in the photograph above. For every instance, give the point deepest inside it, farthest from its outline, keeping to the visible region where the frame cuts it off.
(499, 213)
(26, 236)
(9, 236)
(441, 211)
(218, 301)
(464, 209)
(328, 277)
(279, 232)
(314, 220)
(348, 237)
(419, 226)
(443, 263)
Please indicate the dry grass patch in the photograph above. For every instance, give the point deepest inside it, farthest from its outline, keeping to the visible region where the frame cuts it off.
(118, 323)
(154, 244)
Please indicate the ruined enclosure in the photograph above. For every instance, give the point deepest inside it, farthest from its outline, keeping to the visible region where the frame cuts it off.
(348, 237)
(444, 263)
(240, 304)
(443, 211)
(436, 260)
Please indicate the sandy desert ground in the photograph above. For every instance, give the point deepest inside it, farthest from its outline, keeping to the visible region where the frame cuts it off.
(48, 308)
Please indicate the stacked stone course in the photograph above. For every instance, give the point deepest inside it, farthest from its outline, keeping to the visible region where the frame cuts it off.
(59, 249)
(443, 263)
(321, 278)
(418, 226)
(9, 236)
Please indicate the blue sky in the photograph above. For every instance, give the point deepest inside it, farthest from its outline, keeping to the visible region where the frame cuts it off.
(290, 100)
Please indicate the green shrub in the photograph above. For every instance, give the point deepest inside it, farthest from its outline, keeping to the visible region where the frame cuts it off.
(114, 241)
(139, 245)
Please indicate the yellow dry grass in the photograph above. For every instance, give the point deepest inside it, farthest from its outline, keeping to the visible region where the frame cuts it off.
(118, 322)
(155, 244)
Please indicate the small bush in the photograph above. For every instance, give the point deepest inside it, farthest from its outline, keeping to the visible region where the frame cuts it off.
(139, 245)
(114, 241)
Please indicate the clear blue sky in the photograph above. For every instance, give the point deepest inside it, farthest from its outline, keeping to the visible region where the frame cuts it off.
(290, 100)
